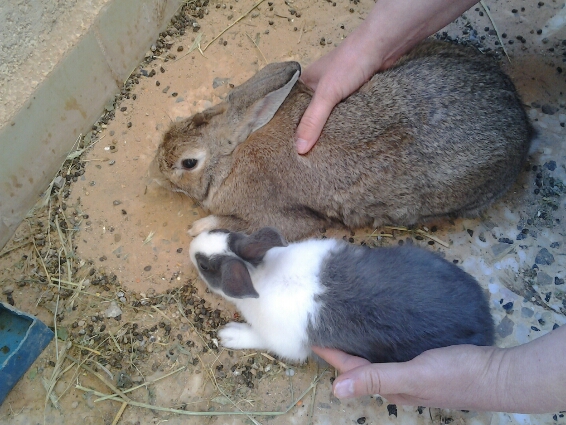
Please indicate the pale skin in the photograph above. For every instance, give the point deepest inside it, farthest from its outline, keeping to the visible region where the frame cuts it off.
(390, 30)
(529, 378)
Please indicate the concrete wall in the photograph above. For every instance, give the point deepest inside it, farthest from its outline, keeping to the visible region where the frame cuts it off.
(60, 62)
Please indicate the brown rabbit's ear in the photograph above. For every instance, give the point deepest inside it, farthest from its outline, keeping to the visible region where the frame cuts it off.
(205, 116)
(235, 279)
(253, 248)
(257, 100)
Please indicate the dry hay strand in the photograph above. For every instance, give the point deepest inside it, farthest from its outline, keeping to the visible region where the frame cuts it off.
(391, 234)
(488, 13)
(211, 414)
(194, 46)
(257, 47)
(232, 24)
(5, 251)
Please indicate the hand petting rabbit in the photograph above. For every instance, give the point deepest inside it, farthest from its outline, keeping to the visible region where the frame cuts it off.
(441, 133)
(383, 304)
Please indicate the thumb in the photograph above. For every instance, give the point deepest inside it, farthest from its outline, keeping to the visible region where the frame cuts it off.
(380, 378)
(312, 122)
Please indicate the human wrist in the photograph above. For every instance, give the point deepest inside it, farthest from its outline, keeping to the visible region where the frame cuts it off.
(492, 380)
(532, 375)
(460, 377)
(393, 27)
(367, 50)
(387, 33)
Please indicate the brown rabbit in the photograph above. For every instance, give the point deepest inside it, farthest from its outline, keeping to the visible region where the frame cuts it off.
(442, 132)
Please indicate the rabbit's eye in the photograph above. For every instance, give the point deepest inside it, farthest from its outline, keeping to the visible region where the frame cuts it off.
(189, 163)
(202, 262)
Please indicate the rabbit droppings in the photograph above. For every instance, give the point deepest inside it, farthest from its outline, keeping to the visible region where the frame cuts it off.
(443, 132)
(383, 304)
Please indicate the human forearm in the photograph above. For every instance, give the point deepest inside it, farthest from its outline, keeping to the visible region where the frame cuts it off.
(393, 27)
(534, 374)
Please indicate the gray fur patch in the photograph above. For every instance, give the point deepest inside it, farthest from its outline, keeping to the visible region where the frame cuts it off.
(391, 304)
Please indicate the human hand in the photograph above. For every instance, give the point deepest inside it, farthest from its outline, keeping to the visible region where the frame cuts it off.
(391, 29)
(457, 377)
(333, 77)
(529, 378)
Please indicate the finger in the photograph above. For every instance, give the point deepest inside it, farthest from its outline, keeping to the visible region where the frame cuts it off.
(312, 122)
(380, 378)
(340, 360)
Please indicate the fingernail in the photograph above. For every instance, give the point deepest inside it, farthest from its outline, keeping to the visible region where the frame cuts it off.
(344, 389)
(301, 144)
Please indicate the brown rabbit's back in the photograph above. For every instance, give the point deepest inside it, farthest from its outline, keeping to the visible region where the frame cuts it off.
(442, 132)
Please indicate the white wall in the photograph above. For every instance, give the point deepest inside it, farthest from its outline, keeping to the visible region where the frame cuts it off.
(60, 62)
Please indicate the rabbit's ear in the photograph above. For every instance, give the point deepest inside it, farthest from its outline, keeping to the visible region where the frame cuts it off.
(204, 117)
(235, 279)
(257, 100)
(263, 110)
(253, 248)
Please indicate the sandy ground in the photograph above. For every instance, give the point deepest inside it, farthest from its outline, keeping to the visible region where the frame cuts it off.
(131, 242)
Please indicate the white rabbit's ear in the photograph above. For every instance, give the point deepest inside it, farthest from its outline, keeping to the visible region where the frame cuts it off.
(272, 93)
(253, 248)
(235, 279)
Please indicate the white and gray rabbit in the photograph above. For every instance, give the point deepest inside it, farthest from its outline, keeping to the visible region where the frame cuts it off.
(384, 304)
(442, 132)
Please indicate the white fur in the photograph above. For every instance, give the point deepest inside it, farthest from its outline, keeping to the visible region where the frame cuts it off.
(205, 224)
(241, 336)
(209, 243)
(287, 282)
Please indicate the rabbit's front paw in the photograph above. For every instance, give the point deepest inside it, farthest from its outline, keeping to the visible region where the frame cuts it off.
(239, 336)
(205, 224)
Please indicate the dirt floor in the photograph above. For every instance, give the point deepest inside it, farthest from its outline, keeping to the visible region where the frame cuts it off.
(105, 251)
